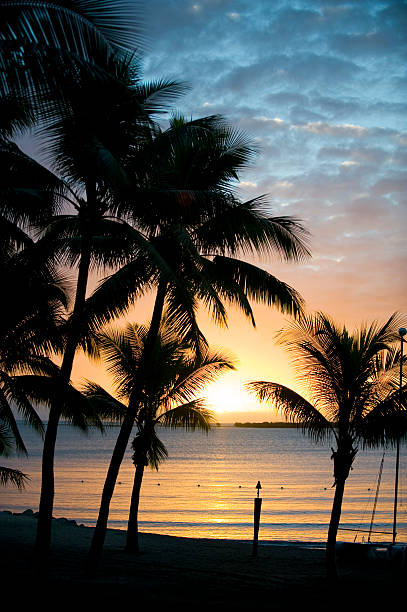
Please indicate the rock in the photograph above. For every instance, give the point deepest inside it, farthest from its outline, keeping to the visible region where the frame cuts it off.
(62, 519)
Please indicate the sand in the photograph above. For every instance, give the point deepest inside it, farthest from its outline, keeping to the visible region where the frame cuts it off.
(186, 573)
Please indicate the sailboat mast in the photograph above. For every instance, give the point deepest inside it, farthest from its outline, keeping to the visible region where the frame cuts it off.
(396, 488)
(402, 332)
(376, 498)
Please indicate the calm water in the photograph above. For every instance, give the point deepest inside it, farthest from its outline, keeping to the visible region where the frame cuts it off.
(207, 486)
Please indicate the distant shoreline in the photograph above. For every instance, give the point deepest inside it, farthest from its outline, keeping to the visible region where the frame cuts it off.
(269, 425)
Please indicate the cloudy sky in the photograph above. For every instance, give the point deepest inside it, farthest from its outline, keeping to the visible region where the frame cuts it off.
(320, 85)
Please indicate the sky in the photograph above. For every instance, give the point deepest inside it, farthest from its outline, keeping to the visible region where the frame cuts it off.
(320, 86)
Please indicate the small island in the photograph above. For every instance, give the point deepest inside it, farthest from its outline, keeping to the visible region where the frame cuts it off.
(268, 425)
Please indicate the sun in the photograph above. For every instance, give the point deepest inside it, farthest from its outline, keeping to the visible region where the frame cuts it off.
(228, 395)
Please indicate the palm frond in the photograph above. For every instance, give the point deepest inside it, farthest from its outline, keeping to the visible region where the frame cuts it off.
(16, 115)
(296, 408)
(116, 293)
(245, 227)
(10, 431)
(74, 406)
(14, 477)
(105, 405)
(189, 416)
(15, 392)
(386, 422)
(194, 374)
(244, 279)
(6, 440)
(29, 192)
(155, 96)
(41, 42)
(181, 308)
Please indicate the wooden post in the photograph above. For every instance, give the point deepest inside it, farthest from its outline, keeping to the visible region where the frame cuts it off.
(257, 511)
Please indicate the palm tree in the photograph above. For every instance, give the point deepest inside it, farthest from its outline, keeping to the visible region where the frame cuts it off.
(89, 156)
(198, 228)
(70, 62)
(353, 385)
(30, 327)
(169, 394)
(43, 43)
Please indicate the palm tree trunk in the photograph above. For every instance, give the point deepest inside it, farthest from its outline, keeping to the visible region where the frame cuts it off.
(331, 568)
(96, 548)
(44, 526)
(132, 544)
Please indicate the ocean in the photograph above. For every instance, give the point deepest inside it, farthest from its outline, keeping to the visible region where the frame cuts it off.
(206, 488)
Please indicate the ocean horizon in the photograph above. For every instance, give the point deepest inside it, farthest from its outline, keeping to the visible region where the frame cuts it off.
(206, 488)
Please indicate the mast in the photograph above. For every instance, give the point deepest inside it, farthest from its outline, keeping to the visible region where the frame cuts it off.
(402, 332)
(376, 497)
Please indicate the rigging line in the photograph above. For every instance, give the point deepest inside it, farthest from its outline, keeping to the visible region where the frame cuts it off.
(376, 496)
(359, 529)
(402, 488)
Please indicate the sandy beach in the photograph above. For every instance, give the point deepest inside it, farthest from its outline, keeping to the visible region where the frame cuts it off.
(187, 573)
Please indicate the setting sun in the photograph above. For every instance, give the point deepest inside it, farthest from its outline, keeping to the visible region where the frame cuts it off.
(228, 396)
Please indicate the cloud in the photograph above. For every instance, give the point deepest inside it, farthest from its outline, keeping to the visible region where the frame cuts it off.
(320, 86)
(246, 184)
(392, 184)
(346, 130)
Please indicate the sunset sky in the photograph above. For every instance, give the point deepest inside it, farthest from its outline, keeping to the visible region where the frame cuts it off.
(321, 86)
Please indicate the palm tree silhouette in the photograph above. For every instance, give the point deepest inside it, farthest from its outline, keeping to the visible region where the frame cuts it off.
(352, 380)
(169, 395)
(89, 157)
(198, 228)
(44, 43)
(105, 111)
(31, 317)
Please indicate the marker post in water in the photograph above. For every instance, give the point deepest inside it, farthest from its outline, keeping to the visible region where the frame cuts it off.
(257, 510)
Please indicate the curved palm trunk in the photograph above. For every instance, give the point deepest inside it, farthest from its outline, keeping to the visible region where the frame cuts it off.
(43, 536)
(331, 569)
(343, 459)
(132, 544)
(96, 548)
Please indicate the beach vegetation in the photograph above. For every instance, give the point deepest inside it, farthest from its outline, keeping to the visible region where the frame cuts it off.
(92, 235)
(45, 43)
(202, 233)
(156, 206)
(351, 380)
(30, 328)
(169, 394)
(75, 207)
